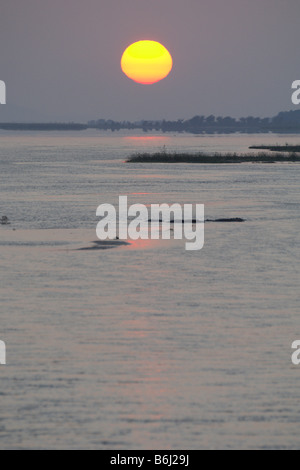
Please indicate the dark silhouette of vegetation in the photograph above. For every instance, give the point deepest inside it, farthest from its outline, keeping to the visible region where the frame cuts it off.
(284, 122)
(165, 157)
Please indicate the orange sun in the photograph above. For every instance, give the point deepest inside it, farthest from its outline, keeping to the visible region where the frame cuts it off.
(146, 62)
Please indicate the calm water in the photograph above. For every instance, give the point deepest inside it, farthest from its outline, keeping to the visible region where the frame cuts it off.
(147, 346)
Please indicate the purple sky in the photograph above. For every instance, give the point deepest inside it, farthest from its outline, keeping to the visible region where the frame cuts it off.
(60, 59)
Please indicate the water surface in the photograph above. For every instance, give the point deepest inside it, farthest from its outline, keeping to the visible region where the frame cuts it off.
(147, 346)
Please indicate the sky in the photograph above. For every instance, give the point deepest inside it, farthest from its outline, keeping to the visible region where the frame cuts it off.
(60, 59)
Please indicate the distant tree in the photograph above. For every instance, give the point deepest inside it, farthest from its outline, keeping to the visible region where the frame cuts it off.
(210, 120)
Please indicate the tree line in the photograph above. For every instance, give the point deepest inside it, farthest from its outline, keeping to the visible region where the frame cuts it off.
(204, 124)
(286, 122)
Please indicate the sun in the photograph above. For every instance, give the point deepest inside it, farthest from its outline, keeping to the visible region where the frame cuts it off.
(146, 62)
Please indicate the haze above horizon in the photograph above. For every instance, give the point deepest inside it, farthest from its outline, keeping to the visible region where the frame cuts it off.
(61, 60)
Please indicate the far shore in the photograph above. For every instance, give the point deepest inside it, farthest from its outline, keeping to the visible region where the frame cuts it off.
(213, 158)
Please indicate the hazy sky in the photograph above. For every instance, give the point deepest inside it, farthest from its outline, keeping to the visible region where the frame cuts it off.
(60, 59)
